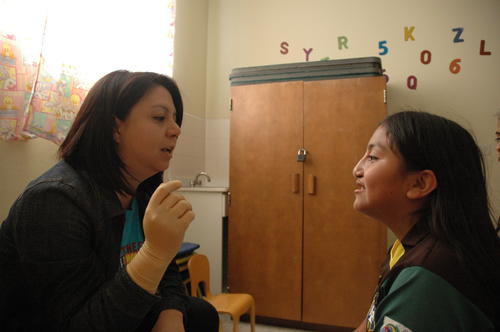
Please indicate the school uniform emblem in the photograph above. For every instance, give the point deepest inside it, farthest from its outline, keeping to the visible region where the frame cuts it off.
(390, 325)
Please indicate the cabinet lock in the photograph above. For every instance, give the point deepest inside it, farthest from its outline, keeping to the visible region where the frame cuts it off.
(301, 155)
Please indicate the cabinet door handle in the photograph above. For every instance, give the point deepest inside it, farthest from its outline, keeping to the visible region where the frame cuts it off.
(295, 183)
(311, 184)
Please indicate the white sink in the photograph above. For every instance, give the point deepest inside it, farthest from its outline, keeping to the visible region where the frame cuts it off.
(204, 189)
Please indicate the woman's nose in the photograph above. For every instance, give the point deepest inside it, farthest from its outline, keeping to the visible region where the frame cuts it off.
(173, 129)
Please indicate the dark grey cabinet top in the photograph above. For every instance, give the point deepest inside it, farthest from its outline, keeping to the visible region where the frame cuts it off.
(307, 71)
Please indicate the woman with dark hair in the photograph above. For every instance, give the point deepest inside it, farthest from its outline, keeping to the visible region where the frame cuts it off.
(423, 176)
(90, 244)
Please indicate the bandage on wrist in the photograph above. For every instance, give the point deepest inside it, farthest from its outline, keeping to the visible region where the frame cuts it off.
(147, 269)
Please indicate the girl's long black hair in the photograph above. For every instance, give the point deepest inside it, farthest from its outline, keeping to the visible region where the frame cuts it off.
(458, 211)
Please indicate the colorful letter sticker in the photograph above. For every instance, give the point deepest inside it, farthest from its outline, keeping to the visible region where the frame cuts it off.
(481, 48)
(459, 32)
(409, 33)
(284, 47)
(342, 40)
(411, 82)
(455, 66)
(307, 52)
(383, 47)
(425, 57)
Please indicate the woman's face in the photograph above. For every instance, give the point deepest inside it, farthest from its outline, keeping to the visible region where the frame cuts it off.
(381, 181)
(146, 139)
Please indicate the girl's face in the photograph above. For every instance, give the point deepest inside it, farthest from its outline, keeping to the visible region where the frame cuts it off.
(147, 137)
(381, 181)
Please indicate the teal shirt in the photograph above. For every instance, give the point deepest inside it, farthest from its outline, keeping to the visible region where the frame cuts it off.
(132, 236)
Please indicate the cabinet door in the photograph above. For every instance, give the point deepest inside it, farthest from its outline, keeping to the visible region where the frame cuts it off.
(342, 248)
(265, 215)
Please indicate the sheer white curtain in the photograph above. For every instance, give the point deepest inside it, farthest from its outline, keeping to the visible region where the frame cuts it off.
(99, 36)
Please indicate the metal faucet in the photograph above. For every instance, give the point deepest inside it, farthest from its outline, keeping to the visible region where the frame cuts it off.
(197, 180)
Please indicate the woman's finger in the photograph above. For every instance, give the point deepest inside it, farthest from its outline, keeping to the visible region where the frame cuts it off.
(163, 191)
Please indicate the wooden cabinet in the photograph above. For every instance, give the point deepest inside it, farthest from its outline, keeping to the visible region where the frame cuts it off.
(294, 241)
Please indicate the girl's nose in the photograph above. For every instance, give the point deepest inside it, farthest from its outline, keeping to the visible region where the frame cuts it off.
(357, 171)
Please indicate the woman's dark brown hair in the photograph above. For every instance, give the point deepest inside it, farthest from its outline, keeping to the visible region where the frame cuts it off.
(89, 145)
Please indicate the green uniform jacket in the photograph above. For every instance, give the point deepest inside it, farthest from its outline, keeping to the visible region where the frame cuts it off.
(428, 290)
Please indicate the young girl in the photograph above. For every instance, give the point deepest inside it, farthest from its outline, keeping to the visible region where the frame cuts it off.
(423, 176)
(89, 245)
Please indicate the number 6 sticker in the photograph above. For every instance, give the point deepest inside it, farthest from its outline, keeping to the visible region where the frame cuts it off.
(455, 66)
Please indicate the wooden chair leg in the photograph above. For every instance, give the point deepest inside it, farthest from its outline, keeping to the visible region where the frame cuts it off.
(236, 323)
(252, 317)
(221, 324)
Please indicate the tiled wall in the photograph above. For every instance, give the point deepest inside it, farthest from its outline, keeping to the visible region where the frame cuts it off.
(217, 151)
(202, 146)
(189, 154)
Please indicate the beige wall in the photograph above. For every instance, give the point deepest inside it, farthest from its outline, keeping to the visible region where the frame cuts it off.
(190, 63)
(249, 33)
(214, 36)
(24, 161)
(190, 53)
(20, 163)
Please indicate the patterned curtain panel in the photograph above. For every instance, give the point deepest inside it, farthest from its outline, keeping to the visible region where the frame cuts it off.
(55, 102)
(41, 91)
(17, 76)
(21, 33)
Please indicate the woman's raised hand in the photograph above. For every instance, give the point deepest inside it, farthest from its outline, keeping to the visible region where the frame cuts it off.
(166, 219)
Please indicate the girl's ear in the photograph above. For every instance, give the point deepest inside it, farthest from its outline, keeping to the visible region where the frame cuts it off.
(423, 183)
